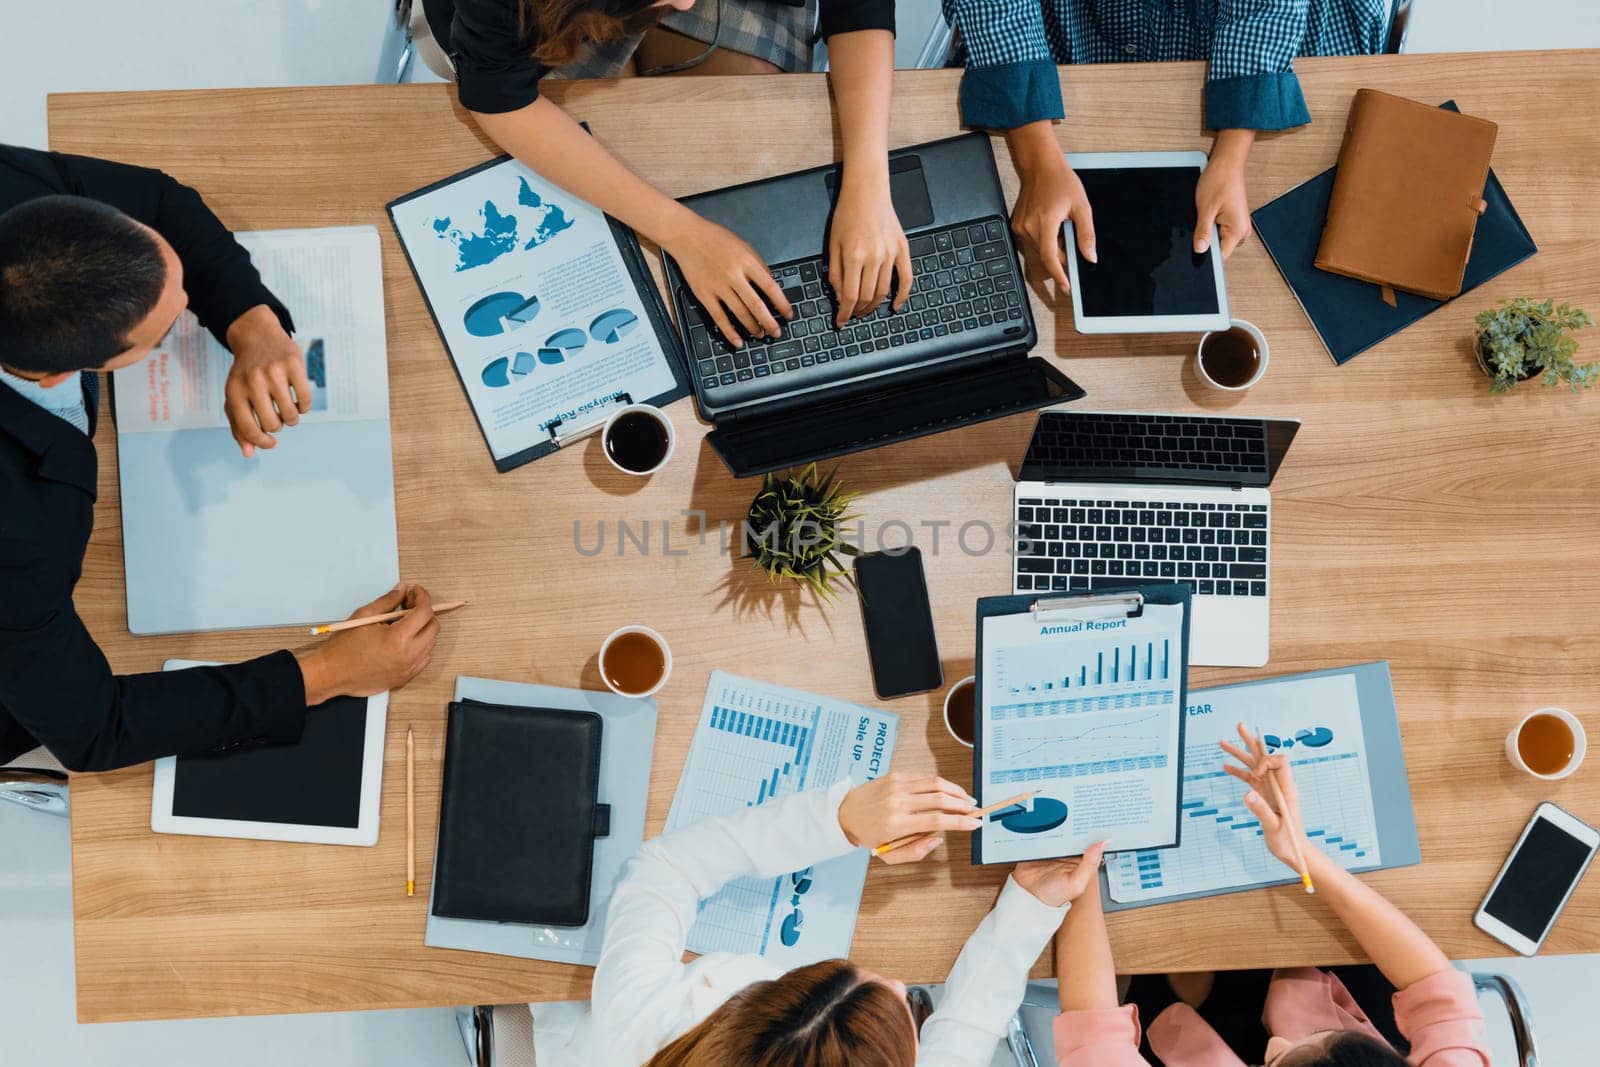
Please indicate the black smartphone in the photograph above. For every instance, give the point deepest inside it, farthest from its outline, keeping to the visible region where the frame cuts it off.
(899, 623)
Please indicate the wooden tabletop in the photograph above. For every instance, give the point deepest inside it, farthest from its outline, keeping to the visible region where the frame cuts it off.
(1417, 520)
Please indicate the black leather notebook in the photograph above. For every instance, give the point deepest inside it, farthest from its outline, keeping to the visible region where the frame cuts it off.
(518, 815)
(1348, 314)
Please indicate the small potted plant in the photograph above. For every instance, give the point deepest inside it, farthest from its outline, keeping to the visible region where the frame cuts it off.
(793, 529)
(1522, 339)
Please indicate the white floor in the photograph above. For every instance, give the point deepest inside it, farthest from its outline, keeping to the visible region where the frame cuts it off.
(71, 45)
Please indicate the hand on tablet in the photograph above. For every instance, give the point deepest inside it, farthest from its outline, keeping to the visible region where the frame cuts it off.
(1050, 195)
(1221, 197)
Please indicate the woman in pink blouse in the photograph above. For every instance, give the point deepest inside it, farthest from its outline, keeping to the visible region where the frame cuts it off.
(1312, 1019)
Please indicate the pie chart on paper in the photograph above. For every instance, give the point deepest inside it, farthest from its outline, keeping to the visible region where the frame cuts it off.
(498, 313)
(1045, 815)
(562, 346)
(612, 326)
(508, 370)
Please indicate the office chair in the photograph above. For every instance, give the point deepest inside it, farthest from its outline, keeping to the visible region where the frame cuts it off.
(36, 789)
(497, 1036)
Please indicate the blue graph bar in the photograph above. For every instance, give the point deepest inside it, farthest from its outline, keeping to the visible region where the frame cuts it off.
(1149, 659)
(761, 793)
(1099, 668)
(1083, 678)
(1116, 664)
(774, 786)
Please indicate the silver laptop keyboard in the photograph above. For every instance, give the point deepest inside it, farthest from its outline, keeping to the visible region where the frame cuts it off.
(1074, 544)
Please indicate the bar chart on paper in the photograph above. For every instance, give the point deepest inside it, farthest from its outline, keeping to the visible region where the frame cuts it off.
(757, 743)
(1104, 707)
(1222, 841)
(1084, 711)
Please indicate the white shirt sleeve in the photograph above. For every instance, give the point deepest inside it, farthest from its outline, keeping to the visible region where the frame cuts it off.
(986, 986)
(643, 998)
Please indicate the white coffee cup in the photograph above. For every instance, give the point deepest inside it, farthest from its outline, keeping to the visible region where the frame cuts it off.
(1580, 743)
(968, 682)
(666, 660)
(1261, 350)
(655, 413)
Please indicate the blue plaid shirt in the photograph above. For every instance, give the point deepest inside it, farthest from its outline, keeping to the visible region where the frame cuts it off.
(1011, 48)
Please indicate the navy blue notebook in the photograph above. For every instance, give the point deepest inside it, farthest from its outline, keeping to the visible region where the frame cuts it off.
(1349, 315)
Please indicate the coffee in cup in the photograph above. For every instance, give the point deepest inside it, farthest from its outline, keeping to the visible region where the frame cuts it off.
(1548, 743)
(635, 661)
(638, 439)
(1233, 359)
(961, 710)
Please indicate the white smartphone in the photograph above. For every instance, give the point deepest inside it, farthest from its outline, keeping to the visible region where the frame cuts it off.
(1540, 874)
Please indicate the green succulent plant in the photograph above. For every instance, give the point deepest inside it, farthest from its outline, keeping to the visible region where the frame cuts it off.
(793, 529)
(1522, 339)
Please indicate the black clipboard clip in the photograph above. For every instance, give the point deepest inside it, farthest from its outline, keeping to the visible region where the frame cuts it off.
(601, 411)
(1099, 606)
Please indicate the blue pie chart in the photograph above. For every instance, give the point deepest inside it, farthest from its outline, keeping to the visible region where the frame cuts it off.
(498, 312)
(1047, 814)
(562, 346)
(612, 326)
(1315, 738)
(497, 374)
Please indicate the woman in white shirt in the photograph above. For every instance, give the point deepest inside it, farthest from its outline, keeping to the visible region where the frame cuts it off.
(729, 1010)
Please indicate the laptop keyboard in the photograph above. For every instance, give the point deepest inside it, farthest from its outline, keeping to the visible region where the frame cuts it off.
(1074, 544)
(1095, 440)
(966, 279)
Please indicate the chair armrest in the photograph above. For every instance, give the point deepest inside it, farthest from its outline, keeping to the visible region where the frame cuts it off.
(35, 788)
(1517, 1008)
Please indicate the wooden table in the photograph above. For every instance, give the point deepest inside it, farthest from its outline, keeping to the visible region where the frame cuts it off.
(1417, 520)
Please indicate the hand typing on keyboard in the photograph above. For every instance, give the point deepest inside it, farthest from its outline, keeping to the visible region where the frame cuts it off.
(867, 250)
(729, 280)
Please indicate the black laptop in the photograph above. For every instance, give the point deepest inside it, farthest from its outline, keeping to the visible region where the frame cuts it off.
(955, 354)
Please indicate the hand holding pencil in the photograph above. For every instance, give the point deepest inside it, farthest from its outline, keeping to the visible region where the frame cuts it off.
(911, 811)
(1268, 776)
(369, 659)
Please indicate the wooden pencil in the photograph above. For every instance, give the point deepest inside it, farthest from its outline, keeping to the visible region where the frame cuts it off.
(388, 616)
(901, 842)
(411, 813)
(1299, 831)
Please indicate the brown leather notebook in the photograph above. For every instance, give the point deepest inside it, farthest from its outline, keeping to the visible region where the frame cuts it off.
(1407, 195)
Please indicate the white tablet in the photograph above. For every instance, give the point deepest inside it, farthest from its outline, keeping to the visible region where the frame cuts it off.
(1148, 278)
(325, 789)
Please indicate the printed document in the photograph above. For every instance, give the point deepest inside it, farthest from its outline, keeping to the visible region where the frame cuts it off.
(1085, 712)
(756, 742)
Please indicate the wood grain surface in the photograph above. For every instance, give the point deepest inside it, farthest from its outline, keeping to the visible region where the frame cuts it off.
(1417, 520)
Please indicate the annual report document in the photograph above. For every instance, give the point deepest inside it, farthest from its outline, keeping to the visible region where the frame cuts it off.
(533, 295)
(756, 743)
(1086, 713)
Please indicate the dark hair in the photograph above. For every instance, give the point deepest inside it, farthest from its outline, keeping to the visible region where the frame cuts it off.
(826, 1015)
(76, 276)
(560, 28)
(1353, 1049)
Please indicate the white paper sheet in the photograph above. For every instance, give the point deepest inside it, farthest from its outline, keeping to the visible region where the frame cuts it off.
(534, 300)
(1316, 723)
(324, 277)
(1085, 713)
(757, 741)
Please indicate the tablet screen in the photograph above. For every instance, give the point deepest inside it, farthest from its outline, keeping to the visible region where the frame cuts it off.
(1144, 219)
(315, 782)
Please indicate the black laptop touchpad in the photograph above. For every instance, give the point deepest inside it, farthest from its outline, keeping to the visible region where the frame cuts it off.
(907, 188)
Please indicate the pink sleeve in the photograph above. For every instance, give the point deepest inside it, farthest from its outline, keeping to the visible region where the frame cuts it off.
(1105, 1037)
(1440, 1016)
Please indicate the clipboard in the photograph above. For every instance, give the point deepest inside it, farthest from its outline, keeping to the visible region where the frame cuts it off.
(1104, 604)
(1394, 817)
(627, 243)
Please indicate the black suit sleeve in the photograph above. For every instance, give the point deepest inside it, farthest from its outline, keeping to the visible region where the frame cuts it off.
(847, 16)
(221, 281)
(57, 685)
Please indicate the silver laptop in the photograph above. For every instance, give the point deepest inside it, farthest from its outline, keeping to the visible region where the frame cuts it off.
(1107, 498)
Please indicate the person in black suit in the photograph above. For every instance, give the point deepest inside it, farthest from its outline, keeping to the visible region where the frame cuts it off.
(97, 261)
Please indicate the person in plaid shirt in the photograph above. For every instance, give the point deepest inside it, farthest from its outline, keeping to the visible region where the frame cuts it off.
(1011, 48)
